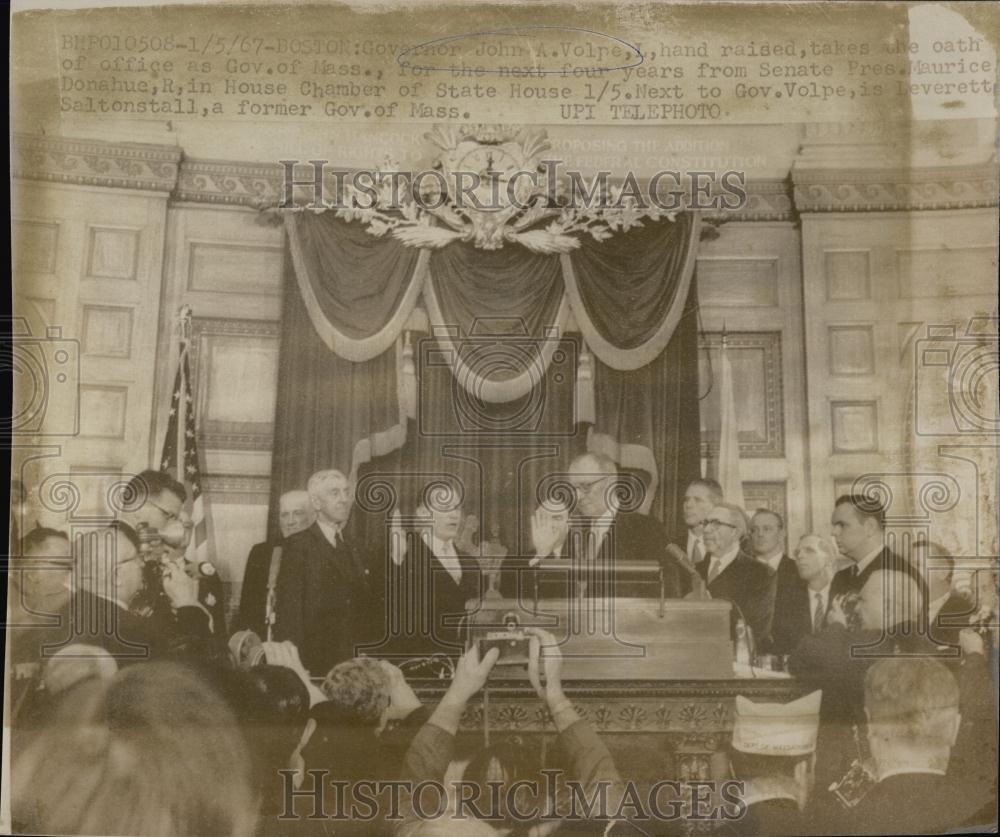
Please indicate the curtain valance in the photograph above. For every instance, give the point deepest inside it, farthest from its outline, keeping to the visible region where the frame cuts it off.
(626, 295)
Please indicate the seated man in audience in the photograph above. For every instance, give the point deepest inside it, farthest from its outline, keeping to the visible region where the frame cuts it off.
(801, 603)
(912, 707)
(732, 574)
(774, 754)
(260, 578)
(155, 503)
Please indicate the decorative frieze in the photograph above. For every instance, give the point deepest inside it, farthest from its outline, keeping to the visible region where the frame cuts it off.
(96, 163)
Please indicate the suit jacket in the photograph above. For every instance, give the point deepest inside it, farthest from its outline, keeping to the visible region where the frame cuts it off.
(634, 537)
(792, 611)
(89, 619)
(747, 583)
(911, 803)
(326, 600)
(253, 594)
(432, 603)
(845, 581)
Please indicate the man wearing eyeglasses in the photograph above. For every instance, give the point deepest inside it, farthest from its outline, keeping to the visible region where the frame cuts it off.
(155, 504)
(603, 535)
(731, 573)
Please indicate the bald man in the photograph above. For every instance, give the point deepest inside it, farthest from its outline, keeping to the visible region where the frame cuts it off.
(295, 514)
(611, 535)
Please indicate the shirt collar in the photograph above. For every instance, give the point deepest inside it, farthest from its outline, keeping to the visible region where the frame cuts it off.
(772, 560)
(902, 771)
(330, 530)
(438, 546)
(871, 556)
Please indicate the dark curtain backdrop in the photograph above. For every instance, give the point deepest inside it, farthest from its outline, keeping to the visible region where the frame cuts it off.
(324, 403)
(343, 371)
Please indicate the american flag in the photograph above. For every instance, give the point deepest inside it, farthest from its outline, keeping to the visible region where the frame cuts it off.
(180, 446)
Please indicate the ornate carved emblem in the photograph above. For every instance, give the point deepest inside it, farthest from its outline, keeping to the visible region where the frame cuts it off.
(489, 186)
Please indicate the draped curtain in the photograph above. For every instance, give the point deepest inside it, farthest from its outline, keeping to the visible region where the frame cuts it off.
(495, 367)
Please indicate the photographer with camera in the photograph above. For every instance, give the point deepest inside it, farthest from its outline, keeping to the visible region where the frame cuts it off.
(110, 570)
(433, 748)
(155, 511)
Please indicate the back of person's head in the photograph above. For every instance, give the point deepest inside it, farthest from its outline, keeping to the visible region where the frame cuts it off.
(748, 766)
(506, 760)
(274, 712)
(73, 664)
(911, 702)
(360, 687)
(153, 751)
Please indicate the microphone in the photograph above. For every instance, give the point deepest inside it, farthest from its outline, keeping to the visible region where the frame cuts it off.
(699, 589)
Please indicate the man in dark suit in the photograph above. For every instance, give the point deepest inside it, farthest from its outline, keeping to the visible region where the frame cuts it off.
(912, 707)
(327, 594)
(859, 530)
(295, 514)
(439, 584)
(802, 593)
(700, 496)
(607, 547)
(108, 580)
(948, 610)
(773, 754)
(732, 574)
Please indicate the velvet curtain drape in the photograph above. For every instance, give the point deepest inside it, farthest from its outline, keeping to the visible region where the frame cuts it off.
(487, 361)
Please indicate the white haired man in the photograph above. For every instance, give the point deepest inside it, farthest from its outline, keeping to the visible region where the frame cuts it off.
(260, 577)
(327, 590)
(801, 601)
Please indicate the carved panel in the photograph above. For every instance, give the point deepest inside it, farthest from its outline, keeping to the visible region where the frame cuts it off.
(34, 245)
(112, 252)
(756, 361)
(235, 366)
(852, 350)
(772, 496)
(854, 426)
(848, 275)
(234, 267)
(955, 271)
(107, 331)
(738, 282)
(103, 410)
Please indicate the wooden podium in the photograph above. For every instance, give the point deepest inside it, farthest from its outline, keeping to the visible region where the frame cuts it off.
(622, 639)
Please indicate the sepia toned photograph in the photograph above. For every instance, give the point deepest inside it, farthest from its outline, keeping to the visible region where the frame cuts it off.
(449, 419)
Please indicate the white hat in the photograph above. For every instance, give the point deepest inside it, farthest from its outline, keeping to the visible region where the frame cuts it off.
(777, 729)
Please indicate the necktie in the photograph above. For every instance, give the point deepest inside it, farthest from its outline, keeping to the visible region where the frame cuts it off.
(854, 571)
(713, 570)
(819, 617)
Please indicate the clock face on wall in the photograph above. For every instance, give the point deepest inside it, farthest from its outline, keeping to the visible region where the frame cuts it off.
(495, 164)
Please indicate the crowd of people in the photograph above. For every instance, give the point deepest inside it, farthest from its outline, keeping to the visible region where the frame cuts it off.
(137, 710)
